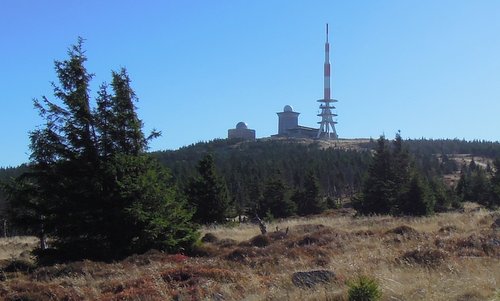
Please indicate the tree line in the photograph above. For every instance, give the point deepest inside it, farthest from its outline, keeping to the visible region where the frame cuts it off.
(480, 184)
(252, 170)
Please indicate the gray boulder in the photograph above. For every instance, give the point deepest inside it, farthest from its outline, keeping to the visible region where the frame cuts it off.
(311, 278)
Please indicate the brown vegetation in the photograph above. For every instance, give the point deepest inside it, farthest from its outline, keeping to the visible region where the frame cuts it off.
(450, 256)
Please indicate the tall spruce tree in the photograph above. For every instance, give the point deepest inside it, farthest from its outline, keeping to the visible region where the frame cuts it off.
(379, 192)
(91, 187)
(208, 193)
(307, 200)
(274, 199)
(401, 170)
(479, 186)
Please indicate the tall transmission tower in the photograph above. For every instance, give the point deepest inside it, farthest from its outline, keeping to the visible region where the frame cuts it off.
(327, 124)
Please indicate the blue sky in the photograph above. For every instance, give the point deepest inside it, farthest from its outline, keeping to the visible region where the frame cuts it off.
(428, 68)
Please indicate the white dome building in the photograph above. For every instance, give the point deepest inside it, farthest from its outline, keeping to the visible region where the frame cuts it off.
(288, 125)
(241, 132)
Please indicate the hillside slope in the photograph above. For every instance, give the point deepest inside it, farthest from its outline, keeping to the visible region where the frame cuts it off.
(450, 256)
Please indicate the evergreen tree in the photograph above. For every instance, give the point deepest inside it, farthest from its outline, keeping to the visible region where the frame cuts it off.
(26, 209)
(274, 199)
(379, 193)
(444, 196)
(393, 185)
(418, 199)
(308, 200)
(401, 171)
(463, 186)
(495, 186)
(208, 193)
(447, 165)
(401, 162)
(104, 119)
(153, 212)
(91, 188)
(479, 187)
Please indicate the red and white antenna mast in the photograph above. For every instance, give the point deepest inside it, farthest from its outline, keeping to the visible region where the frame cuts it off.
(327, 124)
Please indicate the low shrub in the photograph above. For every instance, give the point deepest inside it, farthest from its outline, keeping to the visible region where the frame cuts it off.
(240, 254)
(426, 257)
(308, 228)
(308, 240)
(19, 265)
(226, 243)
(260, 241)
(403, 230)
(448, 229)
(364, 288)
(204, 251)
(210, 238)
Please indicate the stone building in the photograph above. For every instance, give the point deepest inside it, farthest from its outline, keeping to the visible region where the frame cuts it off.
(241, 131)
(288, 125)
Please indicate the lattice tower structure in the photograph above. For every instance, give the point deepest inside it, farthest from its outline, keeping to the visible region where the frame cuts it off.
(327, 123)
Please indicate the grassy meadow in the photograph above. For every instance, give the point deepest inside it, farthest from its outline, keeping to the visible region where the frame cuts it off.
(448, 256)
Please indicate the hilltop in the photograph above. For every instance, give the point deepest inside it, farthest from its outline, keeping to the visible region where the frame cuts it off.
(339, 165)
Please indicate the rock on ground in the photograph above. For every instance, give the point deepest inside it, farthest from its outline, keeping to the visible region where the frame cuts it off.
(311, 278)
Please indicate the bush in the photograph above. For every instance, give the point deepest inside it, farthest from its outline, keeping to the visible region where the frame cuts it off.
(425, 257)
(209, 237)
(364, 289)
(19, 265)
(260, 241)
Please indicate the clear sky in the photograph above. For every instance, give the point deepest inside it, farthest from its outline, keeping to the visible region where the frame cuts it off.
(428, 68)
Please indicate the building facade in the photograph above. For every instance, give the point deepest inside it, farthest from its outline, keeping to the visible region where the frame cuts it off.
(288, 125)
(241, 132)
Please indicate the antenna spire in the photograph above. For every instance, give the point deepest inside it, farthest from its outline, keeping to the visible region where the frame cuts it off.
(327, 32)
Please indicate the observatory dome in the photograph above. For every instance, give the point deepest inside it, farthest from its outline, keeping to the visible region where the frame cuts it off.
(288, 108)
(241, 126)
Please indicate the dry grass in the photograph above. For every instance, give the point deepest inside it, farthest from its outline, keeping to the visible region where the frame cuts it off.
(13, 247)
(450, 256)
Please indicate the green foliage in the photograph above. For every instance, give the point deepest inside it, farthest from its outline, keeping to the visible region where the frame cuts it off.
(379, 192)
(274, 200)
(6, 176)
(248, 166)
(26, 208)
(153, 213)
(91, 188)
(444, 196)
(393, 185)
(308, 200)
(208, 193)
(479, 187)
(364, 289)
(418, 199)
(477, 184)
(495, 186)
